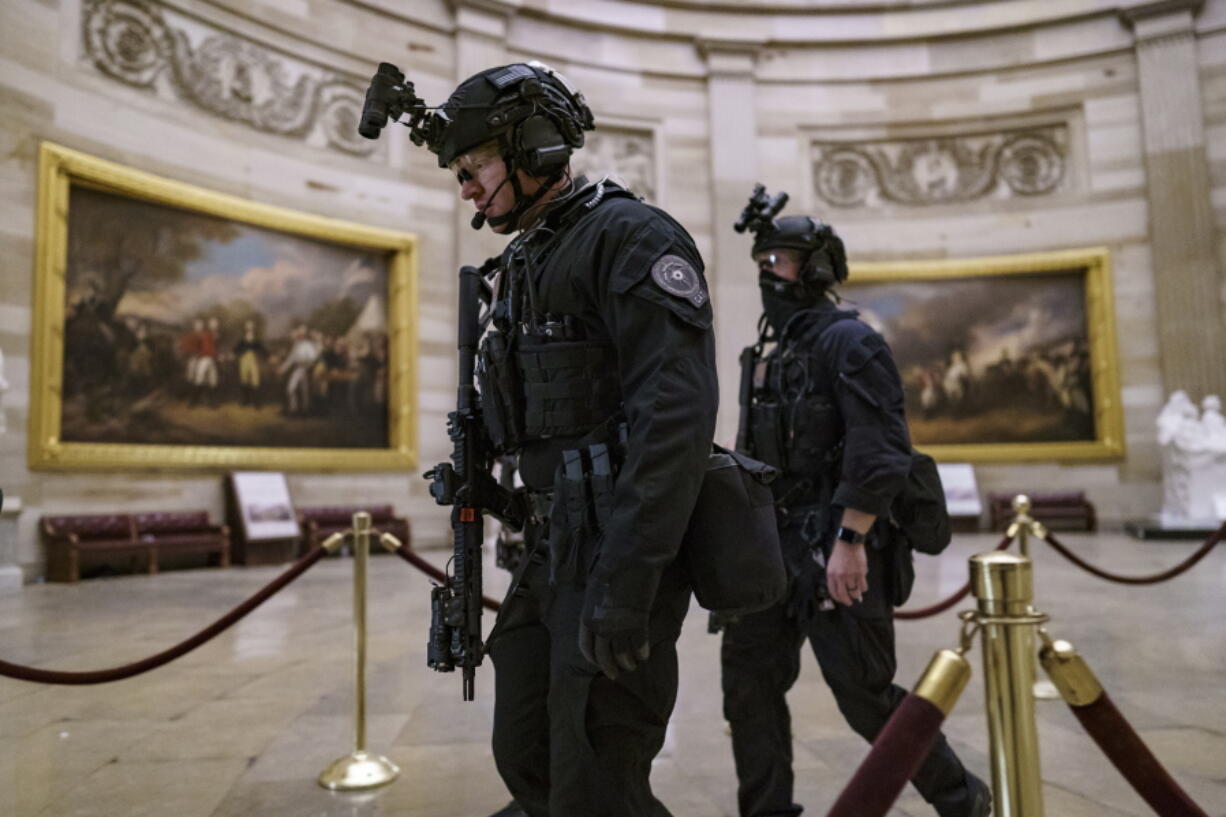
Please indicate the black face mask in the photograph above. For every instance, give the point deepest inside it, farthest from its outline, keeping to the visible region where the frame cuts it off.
(781, 299)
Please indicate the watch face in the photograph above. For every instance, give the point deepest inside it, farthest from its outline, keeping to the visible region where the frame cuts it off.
(850, 536)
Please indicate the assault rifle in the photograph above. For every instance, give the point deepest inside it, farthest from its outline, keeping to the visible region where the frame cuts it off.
(465, 483)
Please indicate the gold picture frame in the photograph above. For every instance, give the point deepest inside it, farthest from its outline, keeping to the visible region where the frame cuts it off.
(1033, 401)
(64, 172)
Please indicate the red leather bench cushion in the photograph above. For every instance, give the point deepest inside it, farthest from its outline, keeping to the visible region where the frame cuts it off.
(342, 515)
(1063, 499)
(167, 522)
(96, 527)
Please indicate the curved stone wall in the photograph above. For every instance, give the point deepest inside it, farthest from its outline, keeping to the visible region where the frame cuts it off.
(1056, 123)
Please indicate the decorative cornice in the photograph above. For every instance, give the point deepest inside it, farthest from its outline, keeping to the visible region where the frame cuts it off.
(1162, 21)
(489, 18)
(1159, 8)
(136, 42)
(956, 168)
(729, 57)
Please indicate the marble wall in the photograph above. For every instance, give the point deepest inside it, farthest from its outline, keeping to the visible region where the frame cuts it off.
(702, 99)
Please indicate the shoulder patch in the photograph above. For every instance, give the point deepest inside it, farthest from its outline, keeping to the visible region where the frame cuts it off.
(860, 351)
(678, 278)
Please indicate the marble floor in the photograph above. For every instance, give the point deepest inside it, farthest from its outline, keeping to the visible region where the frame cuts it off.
(243, 725)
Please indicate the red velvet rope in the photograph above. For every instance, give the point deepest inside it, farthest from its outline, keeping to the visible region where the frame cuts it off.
(1182, 567)
(102, 676)
(412, 557)
(896, 756)
(941, 607)
(1126, 751)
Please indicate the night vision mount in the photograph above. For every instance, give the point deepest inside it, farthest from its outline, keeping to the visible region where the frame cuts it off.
(758, 217)
(390, 96)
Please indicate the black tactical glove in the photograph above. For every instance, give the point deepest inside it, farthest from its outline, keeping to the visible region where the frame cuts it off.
(613, 638)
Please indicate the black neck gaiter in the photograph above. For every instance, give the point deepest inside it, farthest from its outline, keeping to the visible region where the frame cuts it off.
(781, 299)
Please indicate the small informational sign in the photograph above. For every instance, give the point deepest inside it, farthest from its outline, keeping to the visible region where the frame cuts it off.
(961, 491)
(264, 505)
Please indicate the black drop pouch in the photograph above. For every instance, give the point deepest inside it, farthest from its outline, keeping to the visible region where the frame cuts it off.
(731, 548)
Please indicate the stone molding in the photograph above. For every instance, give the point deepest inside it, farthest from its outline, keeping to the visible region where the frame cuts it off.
(729, 58)
(1162, 23)
(1025, 162)
(483, 17)
(1159, 8)
(628, 152)
(145, 45)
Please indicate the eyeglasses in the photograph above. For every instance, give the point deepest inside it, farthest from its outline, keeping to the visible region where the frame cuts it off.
(471, 167)
(767, 264)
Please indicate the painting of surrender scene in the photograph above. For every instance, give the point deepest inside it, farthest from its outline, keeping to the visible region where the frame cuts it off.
(184, 328)
(995, 360)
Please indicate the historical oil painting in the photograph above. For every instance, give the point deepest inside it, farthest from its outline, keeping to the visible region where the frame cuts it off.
(1000, 358)
(186, 329)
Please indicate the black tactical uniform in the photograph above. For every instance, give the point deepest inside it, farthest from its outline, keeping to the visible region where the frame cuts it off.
(599, 373)
(612, 336)
(827, 409)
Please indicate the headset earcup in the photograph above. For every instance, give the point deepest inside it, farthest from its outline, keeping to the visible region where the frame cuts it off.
(541, 147)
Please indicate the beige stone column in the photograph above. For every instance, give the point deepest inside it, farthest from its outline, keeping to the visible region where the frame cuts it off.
(480, 43)
(733, 130)
(1188, 284)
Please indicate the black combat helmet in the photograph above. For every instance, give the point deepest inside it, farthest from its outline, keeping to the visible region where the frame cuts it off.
(533, 112)
(823, 261)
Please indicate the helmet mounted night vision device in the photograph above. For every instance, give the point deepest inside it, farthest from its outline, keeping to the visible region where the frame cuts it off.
(822, 257)
(536, 117)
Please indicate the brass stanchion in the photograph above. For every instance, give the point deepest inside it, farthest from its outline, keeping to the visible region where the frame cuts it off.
(1003, 585)
(1022, 528)
(1070, 673)
(359, 770)
(946, 675)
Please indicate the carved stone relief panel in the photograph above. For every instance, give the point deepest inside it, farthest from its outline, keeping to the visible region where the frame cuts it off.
(4, 386)
(626, 154)
(941, 170)
(146, 45)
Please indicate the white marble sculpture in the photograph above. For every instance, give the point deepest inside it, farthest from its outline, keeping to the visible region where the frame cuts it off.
(1193, 460)
(4, 386)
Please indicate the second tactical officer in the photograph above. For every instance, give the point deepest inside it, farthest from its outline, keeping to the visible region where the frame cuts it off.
(823, 402)
(598, 371)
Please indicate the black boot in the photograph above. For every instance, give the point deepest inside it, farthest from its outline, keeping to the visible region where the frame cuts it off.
(980, 797)
(972, 799)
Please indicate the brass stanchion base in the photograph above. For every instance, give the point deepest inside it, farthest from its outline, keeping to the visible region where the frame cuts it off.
(358, 771)
(1046, 691)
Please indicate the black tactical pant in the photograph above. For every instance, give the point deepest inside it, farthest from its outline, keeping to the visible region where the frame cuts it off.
(760, 659)
(568, 741)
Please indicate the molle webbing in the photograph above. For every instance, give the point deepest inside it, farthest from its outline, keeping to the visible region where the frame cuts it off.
(570, 386)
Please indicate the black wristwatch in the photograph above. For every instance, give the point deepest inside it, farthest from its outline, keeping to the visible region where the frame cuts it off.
(851, 537)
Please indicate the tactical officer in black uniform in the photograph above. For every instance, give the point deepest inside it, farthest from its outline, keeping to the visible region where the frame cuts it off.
(598, 370)
(823, 402)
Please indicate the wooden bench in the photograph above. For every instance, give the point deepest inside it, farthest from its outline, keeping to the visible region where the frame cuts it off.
(321, 522)
(68, 538)
(182, 532)
(1065, 510)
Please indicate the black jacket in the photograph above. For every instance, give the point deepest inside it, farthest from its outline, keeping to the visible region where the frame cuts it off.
(859, 375)
(632, 277)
